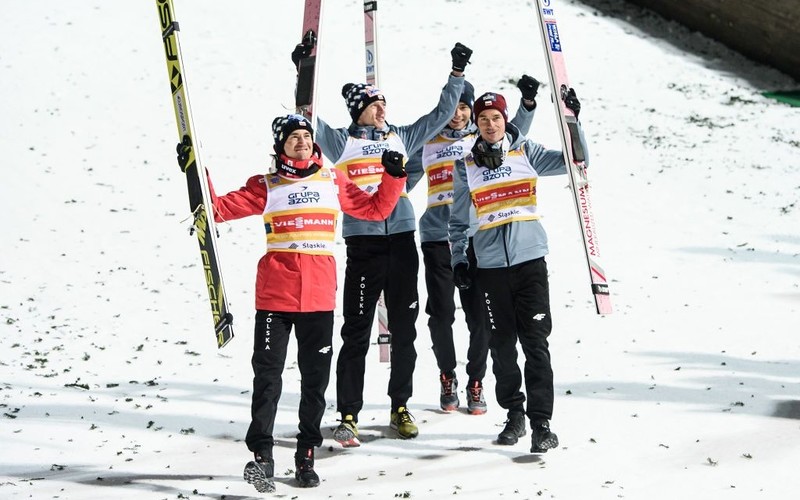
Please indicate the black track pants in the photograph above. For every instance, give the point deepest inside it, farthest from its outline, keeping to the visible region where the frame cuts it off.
(374, 264)
(517, 304)
(314, 332)
(441, 308)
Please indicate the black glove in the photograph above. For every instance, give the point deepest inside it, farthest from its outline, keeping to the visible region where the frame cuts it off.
(571, 101)
(487, 155)
(184, 149)
(393, 163)
(461, 276)
(300, 52)
(460, 55)
(304, 48)
(529, 86)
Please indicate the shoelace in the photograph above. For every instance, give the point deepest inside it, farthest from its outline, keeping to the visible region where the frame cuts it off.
(405, 416)
(447, 386)
(476, 393)
(305, 465)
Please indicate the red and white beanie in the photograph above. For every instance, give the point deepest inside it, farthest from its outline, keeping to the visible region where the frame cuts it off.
(490, 100)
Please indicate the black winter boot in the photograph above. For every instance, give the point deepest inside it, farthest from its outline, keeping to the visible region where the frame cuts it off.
(542, 439)
(514, 429)
(304, 468)
(260, 471)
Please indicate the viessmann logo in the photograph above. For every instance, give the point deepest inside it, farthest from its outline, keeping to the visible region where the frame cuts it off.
(361, 170)
(514, 191)
(441, 175)
(304, 222)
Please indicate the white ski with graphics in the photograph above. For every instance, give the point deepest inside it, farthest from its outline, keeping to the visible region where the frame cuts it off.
(574, 155)
(199, 198)
(371, 67)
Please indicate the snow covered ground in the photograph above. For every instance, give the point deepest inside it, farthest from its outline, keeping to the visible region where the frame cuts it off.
(110, 381)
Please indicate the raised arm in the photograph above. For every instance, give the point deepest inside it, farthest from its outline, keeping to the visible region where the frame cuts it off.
(551, 162)
(414, 136)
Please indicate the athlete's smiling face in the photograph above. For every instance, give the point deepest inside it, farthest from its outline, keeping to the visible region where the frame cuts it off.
(299, 145)
(461, 117)
(492, 126)
(374, 115)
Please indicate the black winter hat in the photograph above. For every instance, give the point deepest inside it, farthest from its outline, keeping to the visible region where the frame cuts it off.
(357, 96)
(282, 126)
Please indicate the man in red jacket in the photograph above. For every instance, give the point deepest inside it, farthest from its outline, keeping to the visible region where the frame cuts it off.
(300, 200)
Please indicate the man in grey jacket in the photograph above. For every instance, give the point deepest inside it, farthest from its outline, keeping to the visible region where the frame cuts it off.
(381, 256)
(435, 161)
(499, 178)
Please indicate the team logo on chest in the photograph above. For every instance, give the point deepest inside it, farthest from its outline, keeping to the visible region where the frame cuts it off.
(455, 150)
(497, 173)
(374, 149)
(304, 197)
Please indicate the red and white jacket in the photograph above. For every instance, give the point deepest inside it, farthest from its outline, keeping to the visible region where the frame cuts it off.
(291, 278)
